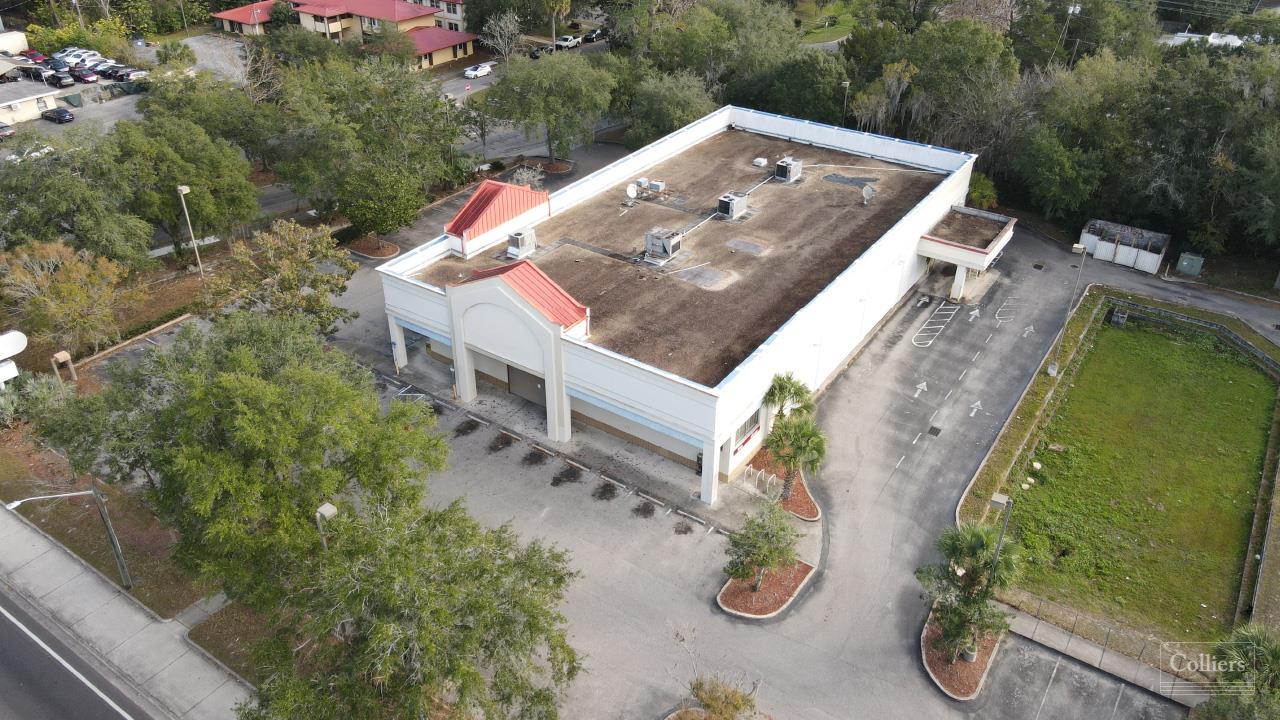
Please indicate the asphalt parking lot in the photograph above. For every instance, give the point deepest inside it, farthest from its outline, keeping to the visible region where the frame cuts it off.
(850, 646)
(1031, 682)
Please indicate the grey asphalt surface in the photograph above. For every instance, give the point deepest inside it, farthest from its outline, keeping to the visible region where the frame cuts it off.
(35, 686)
(643, 612)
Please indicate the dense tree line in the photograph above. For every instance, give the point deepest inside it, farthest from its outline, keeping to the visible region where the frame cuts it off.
(1074, 107)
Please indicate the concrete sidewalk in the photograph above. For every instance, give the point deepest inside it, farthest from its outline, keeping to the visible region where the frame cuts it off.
(1111, 662)
(154, 655)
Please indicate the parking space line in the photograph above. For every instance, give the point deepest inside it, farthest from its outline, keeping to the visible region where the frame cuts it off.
(913, 442)
(1047, 687)
(934, 325)
(963, 373)
(975, 356)
(1119, 695)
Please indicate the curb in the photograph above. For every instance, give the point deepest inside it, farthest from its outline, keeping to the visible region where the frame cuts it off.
(357, 253)
(813, 570)
(812, 499)
(981, 681)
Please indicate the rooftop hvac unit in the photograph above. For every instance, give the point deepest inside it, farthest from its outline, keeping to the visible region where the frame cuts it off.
(732, 205)
(521, 244)
(642, 183)
(662, 244)
(759, 162)
(788, 169)
(658, 185)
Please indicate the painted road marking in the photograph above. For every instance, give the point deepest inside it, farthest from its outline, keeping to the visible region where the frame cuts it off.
(974, 314)
(948, 397)
(922, 387)
(904, 457)
(1047, 687)
(984, 342)
(966, 372)
(934, 326)
(110, 703)
(934, 415)
(975, 356)
(913, 442)
(1007, 310)
(974, 408)
(1028, 330)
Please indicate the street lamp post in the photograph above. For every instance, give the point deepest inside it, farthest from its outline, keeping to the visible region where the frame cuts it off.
(182, 197)
(845, 113)
(100, 499)
(324, 513)
(1077, 249)
(1005, 503)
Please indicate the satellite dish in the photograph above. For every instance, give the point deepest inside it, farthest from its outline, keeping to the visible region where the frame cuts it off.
(868, 192)
(631, 191)
(12, 343)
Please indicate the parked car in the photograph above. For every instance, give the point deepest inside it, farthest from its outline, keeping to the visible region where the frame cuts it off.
(84, 75)
(6, 131)
(58, 115)
(597, 34)
(114, 73)
(475, 71)
(80, 57)
(568, 41)
(56, 65)
(35, 72)
(33, 55)
(133, 75)
(61, 80)
(64, 52)
(101, 64)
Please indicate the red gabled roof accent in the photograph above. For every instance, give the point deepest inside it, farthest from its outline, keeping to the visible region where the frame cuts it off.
(390, 10)
(430, 39)
(539, 289)
(245, 13)
(492, 204)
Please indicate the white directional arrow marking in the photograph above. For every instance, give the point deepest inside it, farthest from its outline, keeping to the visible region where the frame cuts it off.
(1028, 330)
(921, 388)
(974, 314)
(974, 408)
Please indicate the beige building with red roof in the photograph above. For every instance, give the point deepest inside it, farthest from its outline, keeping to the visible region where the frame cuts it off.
(657, 297)
(342, 20)
(248, 19)
(438, 45)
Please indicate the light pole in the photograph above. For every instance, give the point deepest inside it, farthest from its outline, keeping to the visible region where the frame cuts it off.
(182, 197)
(845, 113)
(101, 500)
(1005, 503)
(1078, 249)
(325, 512)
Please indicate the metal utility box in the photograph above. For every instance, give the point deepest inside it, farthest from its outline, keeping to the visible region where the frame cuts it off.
(1190, 264)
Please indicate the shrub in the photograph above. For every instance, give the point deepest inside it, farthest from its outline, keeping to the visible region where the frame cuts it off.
(982, 192)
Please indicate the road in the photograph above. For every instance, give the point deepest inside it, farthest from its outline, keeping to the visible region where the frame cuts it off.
(42, 679)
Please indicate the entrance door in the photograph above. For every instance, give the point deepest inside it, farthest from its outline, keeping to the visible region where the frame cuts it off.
(526, 385)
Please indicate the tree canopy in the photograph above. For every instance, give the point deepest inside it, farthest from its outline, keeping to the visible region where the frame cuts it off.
(562, 95)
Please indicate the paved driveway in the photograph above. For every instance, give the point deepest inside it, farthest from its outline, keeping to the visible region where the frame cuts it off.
(850, 647)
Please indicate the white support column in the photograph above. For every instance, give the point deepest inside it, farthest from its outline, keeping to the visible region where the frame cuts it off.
(559, 426)
(464, 372)
(398, 354)
(710, 472)
(957, 285)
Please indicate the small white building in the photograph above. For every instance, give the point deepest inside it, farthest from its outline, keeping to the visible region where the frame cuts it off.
(657, 297)
(23, 101)
(1125, 245)
(13, 42)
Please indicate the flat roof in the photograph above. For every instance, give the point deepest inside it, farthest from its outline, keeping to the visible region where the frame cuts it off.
(23, 90)
(734, 283)
(969, 228)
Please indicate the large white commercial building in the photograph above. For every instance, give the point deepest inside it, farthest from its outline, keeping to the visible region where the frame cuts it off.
(658, 297)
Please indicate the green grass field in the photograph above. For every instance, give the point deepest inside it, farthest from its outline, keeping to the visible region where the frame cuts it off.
(1145, 514)
(811, 20)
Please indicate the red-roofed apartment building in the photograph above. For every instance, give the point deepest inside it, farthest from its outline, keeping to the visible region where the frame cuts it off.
(248, 19)
(434, 26)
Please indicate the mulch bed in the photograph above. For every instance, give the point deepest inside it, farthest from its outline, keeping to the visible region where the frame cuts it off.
(778, 588)
(557, 167)
(374, 247)
(959, 678)
(800, 503)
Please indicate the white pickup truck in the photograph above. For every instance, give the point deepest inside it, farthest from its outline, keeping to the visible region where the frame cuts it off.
(568, 41)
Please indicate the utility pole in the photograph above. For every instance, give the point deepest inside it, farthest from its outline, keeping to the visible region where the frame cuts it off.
(182, 196)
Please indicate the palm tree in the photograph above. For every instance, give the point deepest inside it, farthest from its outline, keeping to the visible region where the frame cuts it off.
(1252, 657)
(962, 584)
(787, 394)
(555, 9)
(798, 443)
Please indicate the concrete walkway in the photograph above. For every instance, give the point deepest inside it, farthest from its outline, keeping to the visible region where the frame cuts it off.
(154, 655)
(1113, 663)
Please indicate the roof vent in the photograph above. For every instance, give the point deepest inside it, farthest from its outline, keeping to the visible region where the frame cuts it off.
(732, 205)
(521, 244)
(759, 162)
(658, 185)
(788, 169)
(661, 244)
